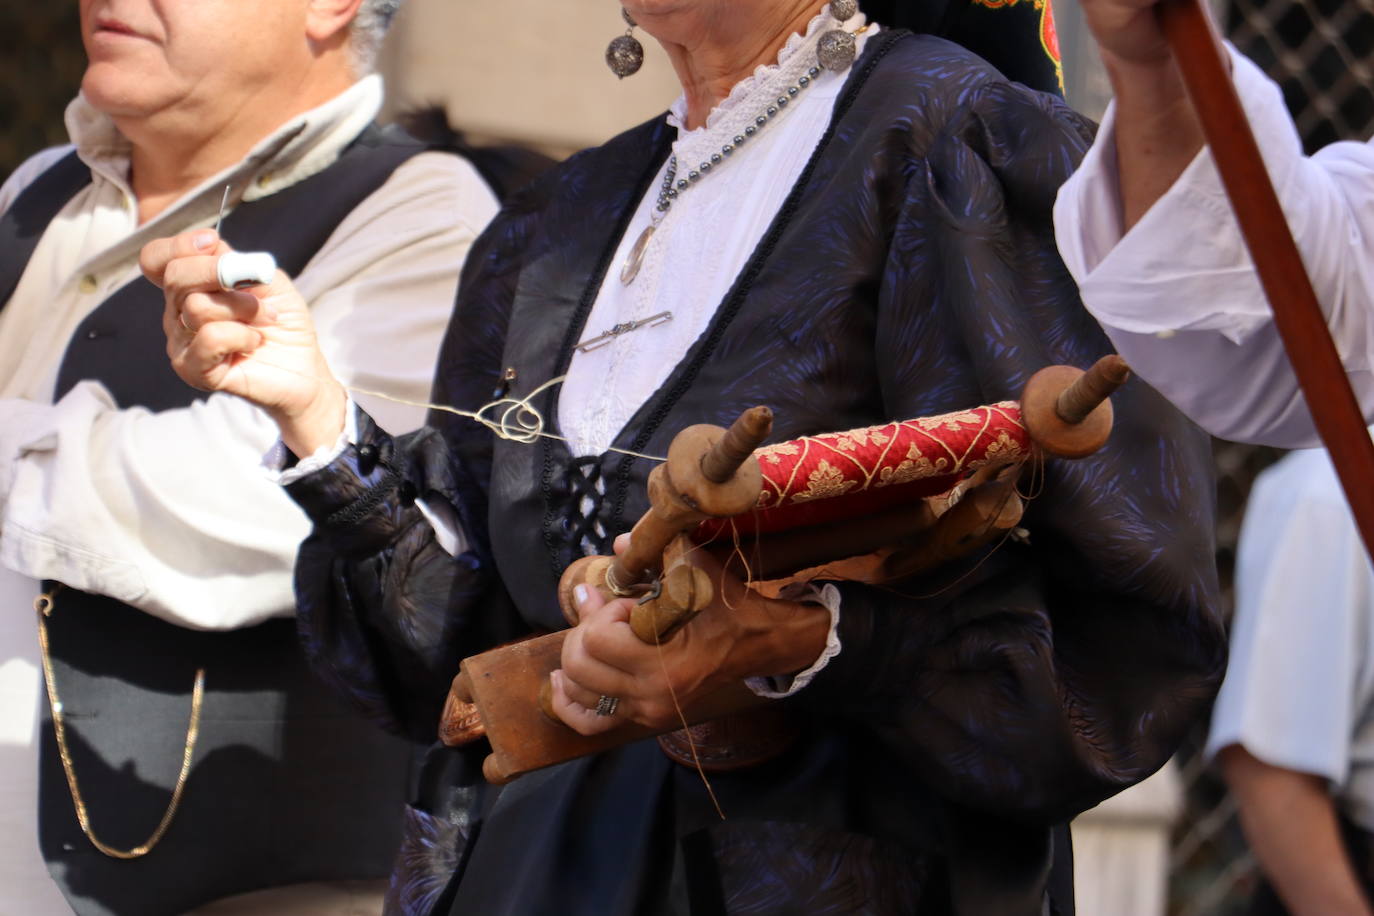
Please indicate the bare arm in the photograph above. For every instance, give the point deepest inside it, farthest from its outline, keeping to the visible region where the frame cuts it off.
(1290, 823)
(1158, 133)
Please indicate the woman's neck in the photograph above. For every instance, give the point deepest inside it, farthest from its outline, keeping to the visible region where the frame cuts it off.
(731, 47)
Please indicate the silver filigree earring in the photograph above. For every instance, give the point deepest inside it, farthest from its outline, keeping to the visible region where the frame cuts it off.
(625, 55)
(836, 49)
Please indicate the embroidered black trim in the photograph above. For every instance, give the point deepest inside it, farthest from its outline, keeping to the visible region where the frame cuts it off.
(661, 142)
(361, 507)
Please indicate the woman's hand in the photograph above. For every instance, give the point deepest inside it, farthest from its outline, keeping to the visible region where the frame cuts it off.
(741, 634)
(257, 343)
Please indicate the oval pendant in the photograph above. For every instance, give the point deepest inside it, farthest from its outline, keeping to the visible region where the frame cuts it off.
(636, 258)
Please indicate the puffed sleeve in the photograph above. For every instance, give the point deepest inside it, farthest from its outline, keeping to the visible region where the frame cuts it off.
(385, 612)
(1039, 677)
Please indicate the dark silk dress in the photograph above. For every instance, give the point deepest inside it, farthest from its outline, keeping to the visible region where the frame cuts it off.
(971, 713)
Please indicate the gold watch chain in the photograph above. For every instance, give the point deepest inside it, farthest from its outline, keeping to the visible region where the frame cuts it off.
(44, 605)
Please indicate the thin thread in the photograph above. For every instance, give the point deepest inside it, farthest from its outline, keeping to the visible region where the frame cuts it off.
(687, 729)
(519, 421)
(1001, 542)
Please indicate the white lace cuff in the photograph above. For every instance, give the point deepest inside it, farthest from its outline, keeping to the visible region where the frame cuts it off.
(274, 462)
(775, 688)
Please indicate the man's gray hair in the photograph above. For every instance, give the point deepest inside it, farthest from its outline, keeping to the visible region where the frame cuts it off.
(368, 29)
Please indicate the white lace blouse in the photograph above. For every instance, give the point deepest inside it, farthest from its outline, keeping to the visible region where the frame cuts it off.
(697, 250)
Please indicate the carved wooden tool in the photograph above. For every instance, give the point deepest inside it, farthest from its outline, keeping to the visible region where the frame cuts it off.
(713, 473)
(710, 472)
(1065, 413)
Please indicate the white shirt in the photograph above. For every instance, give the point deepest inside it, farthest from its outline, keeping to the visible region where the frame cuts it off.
(1178, 294)
(1299, 691)
(114, 501)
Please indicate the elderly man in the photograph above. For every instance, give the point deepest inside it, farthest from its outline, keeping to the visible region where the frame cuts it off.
(157, 794)
(1146, 229)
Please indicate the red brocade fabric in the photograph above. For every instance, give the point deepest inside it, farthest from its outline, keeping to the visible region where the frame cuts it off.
(875, 467)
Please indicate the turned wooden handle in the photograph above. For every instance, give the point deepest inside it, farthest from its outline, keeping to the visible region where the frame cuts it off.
(1092, 388)
(744, 435)
(702, 477)
(1067, 411)
(643, 559)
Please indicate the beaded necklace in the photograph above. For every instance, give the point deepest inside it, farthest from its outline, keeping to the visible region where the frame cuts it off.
(673, 186)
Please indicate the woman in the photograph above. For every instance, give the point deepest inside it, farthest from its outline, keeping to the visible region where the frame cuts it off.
(847, 246)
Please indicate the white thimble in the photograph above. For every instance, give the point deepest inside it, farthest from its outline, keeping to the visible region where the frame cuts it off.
(242, 269)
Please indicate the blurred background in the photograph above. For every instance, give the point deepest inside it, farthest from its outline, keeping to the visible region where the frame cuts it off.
(531, 72)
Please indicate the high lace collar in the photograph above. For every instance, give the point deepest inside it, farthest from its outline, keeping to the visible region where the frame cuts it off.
(751, 95)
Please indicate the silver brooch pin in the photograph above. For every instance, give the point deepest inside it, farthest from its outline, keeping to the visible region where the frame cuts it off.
(624, 327)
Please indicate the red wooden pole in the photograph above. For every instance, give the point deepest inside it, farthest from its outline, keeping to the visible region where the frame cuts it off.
(1299, 319)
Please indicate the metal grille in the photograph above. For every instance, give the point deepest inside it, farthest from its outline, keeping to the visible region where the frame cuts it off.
(1322, 53)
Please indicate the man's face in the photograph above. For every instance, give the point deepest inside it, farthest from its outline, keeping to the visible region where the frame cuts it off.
(152, 56)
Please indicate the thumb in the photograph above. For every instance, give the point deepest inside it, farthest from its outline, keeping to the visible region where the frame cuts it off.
(276, 295)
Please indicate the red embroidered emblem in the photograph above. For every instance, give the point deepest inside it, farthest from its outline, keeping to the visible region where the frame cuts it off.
(1049, 35)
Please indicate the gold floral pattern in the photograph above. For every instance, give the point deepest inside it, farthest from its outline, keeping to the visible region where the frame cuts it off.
(825, 481)
(773, 453)
(913, 467)
(860, 438)
(951, 421)
(1004, 448)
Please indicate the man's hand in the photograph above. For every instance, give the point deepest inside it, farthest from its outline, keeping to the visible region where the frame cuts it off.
(257, 343)
(740, 635)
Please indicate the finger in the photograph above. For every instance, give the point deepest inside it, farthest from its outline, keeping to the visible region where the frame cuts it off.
(208, 355)
(621, 543)
(595, 676)
(586, 665)
(607, 637)
(191, 274)
(579, 718)
(580, 694)
(158, 253)
(587, 599)
(200, 309)
(276, 297)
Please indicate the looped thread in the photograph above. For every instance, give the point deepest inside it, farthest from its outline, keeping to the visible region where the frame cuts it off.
(518, 419)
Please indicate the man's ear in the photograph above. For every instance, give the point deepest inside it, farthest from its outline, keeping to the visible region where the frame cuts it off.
(327, 21)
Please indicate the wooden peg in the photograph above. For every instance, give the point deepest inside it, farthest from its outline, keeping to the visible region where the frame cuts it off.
(1068, 412)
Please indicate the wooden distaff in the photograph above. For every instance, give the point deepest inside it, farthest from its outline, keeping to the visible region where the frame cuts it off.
(712, 473)
(1298, 317)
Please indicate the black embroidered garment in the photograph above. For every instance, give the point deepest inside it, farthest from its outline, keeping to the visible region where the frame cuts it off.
(912, 271)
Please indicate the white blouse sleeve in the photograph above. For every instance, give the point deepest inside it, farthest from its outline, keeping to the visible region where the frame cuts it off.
(1178, 294)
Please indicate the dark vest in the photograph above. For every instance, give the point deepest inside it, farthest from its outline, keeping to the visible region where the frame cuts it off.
(288, 785)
